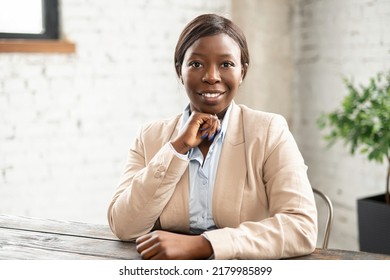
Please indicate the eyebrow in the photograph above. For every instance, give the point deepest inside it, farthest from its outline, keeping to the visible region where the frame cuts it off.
(201, 54)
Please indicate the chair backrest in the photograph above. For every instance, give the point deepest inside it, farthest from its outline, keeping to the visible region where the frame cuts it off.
(329, 220)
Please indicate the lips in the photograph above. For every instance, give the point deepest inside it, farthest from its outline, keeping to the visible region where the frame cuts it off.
(211, 94)
(211, 97)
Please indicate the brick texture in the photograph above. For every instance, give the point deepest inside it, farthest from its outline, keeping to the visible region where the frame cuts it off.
(66, 121)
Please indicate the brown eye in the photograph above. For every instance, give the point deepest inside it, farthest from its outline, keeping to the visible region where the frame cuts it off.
(227, 64)
(195, 64)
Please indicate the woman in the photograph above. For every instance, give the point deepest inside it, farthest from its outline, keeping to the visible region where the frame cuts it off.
(219, 180)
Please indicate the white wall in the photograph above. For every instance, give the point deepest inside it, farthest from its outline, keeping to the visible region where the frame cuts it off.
(66, 121)
(333, 39)
(267, 26)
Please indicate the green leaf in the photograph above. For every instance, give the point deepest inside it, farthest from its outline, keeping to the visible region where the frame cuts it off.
(362, 120)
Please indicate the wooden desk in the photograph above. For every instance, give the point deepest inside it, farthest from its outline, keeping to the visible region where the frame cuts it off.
(42, 239)
(336, 254)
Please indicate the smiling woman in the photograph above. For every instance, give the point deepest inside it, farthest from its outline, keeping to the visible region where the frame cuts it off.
(211, 73)
(219, 180)
(29, 19)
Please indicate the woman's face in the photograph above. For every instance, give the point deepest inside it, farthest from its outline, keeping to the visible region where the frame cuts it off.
(211, 73)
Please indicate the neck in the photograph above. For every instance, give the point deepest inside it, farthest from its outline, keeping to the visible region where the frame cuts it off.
(221, 114)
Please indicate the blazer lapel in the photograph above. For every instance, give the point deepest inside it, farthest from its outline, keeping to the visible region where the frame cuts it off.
(231, 174)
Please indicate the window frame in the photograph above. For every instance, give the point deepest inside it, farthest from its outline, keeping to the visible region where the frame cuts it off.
(50, 22)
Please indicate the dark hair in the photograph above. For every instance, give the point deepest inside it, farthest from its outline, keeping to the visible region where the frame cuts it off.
(208, 25)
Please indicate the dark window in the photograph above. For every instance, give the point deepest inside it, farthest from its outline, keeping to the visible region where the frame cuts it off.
(29, 19)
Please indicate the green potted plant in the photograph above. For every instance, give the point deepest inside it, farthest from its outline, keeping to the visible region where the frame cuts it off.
(363, 122)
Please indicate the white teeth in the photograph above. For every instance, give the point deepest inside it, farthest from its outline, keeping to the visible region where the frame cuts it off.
(211, 95)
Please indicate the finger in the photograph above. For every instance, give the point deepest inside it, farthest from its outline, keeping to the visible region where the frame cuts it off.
(215, 123)
(145, 242)
(218, 126)
(206, 129)
(204, 126)
(148, 249)
(213, 130)
(143, 246)
(143, 238)
(150, 252)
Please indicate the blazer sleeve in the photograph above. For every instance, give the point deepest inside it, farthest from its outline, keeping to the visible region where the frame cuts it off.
(291, 227)
(145, 187)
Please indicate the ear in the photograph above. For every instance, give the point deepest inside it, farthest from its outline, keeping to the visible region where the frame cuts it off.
(178, 71)
(244, 69)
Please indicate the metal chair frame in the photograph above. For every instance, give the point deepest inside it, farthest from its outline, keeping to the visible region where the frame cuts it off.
(329, 221)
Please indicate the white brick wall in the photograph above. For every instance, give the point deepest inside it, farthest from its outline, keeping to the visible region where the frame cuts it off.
(333, 39)
(66, 121)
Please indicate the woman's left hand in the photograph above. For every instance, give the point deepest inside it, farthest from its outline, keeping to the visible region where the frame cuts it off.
(164, 245)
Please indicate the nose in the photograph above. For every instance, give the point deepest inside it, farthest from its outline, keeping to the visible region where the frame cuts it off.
(211, 75)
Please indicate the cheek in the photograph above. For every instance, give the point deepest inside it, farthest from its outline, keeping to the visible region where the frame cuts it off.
(232, 79)
(190, 78)
(190, 85)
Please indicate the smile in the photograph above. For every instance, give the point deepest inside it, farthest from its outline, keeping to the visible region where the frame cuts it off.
(211, 95)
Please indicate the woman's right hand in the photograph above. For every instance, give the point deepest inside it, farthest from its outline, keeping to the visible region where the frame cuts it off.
(199, 127)
(164, 245)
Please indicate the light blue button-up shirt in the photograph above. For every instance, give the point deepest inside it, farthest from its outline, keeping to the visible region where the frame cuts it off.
(202, 178)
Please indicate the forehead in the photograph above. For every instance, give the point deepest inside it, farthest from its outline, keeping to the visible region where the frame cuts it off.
(220, 44)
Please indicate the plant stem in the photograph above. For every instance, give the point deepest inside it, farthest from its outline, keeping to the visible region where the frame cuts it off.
(387, 195)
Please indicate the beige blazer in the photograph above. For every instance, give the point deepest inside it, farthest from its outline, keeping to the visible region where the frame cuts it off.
(263, 204)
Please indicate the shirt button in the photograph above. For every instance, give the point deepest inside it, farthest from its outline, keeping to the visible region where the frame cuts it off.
(204, 182)
(161, 168)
